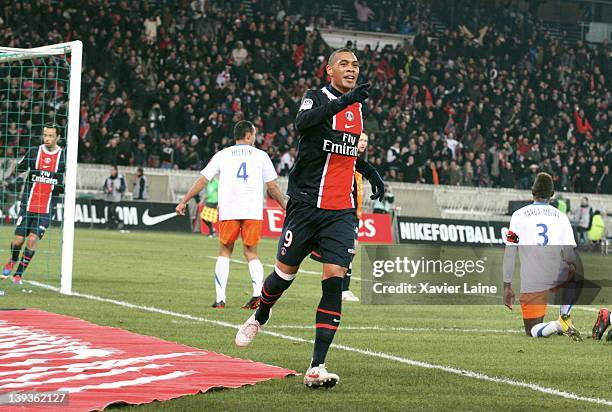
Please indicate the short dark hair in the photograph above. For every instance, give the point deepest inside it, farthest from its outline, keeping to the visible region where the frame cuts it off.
(242, 128)
(543, 187)
(333, 54)
(51, 125)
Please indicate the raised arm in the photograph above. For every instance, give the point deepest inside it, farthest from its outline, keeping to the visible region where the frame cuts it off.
(312, 114)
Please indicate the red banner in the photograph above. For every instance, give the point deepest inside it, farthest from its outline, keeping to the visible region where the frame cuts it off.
(96, 366)
(373, 228)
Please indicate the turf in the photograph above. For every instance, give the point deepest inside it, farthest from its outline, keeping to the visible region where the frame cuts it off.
(174, 272)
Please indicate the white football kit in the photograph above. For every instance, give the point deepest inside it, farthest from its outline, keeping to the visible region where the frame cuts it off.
(546, 243)
(242, 170)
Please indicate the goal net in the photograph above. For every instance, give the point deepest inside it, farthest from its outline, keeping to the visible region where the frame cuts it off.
(39, 96)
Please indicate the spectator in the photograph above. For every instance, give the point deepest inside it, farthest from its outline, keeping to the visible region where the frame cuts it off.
(583, 127)
(150, 27)
(114, 187)
(287, 161)
(604, 184)
(411, 171)
(468, 175)
(598, 228)
(507, 178)
(364, 14)
(239, 54)
(582, 222)
(493, 80)
(455, 175)
(141, 186)
(590, 180)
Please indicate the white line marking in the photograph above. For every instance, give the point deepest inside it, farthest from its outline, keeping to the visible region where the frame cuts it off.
(583, 308)
(308, 272)
(390, 329)
(381, 355)
(402, 329)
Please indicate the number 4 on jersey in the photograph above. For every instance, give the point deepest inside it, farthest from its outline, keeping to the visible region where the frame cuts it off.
(242, 172)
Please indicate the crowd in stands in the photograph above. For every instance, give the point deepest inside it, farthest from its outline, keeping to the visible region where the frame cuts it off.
(489, 102)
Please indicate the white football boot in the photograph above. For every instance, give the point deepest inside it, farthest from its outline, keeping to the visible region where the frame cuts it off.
(318, 377)
(248, 331)
(348, 296)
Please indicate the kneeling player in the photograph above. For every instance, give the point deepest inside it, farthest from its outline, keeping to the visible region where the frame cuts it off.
(544, 239)
(604, 318)
(46, 165)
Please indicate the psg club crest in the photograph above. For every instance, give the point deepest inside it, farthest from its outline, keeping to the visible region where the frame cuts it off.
(349, 116)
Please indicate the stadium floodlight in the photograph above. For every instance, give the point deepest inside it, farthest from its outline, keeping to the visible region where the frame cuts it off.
(38, 86)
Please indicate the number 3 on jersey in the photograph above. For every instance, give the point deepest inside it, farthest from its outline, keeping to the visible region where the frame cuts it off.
(543, 233)
(242, 172)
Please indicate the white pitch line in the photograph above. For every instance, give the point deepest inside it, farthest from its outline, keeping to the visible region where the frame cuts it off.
(393, 329)
(583, 308)
(366, 352)
(402, 329)
(308, 272)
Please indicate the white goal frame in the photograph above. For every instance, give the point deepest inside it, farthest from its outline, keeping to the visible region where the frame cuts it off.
(75, 49)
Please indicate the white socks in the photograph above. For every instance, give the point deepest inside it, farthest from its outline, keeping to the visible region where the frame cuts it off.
(565, 310)
(545, 329)
(221, 275)
(257, 275)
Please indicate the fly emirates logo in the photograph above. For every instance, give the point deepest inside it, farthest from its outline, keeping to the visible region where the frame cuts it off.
(348, 146)
(44, 177)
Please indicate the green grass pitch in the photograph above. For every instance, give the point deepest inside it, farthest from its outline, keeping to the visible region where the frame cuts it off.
(174, 272)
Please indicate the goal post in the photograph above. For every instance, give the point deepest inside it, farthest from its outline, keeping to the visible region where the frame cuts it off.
(72, 53)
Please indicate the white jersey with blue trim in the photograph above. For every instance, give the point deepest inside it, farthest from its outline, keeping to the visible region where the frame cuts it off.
(541, 224)
(242, 170)
(546, 243)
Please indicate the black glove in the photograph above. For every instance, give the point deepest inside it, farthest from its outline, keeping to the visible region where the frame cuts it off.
(358, 94)
(371, 174)
(378, 186)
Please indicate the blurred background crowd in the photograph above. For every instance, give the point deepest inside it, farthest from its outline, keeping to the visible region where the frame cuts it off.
(489, 99)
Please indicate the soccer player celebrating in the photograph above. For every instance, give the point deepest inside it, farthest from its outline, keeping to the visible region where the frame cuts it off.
(47, 165)
(321, 210)
(242, 170)
(544, 239)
